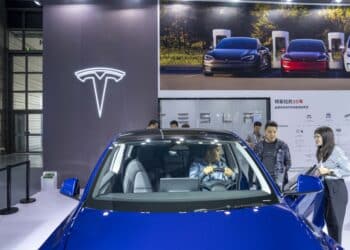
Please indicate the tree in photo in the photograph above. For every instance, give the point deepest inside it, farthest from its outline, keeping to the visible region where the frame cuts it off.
(263, 26)
(178, 44)
(294, 19)
(338, 18)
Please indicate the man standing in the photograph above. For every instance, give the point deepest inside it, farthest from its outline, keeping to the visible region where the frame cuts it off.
(274, 153)
(256, 136)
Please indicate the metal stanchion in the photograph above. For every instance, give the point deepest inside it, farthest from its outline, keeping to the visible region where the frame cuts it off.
(8, 209)
(27, 199)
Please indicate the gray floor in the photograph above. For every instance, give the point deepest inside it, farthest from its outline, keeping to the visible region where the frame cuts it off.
(18, 175)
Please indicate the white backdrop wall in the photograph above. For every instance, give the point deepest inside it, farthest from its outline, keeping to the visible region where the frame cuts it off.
(298, 113)
(309, 110)
(237, 115)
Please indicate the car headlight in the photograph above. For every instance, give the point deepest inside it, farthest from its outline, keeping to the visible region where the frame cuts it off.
(208, 58)
(248, 58)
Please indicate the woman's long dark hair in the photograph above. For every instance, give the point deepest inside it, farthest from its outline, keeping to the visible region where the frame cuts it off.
(324, 151)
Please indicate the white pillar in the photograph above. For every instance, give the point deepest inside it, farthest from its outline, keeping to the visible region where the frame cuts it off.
(277, 46)
(219, 34)
(335, 45)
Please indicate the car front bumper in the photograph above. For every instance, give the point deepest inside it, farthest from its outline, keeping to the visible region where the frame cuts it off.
(217, 66)
(297, 66)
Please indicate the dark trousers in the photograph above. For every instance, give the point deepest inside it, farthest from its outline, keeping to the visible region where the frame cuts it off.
(336, 197)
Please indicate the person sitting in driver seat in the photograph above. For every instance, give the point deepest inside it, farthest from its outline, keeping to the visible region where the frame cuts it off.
(208, 165)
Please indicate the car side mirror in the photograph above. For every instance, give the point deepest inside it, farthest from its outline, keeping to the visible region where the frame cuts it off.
(306, 184)
(283, 50)
(70, 187)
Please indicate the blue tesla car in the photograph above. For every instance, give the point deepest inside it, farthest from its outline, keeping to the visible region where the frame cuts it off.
(189, 189)
(237, 54)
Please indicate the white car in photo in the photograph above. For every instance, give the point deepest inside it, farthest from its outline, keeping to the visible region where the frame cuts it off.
(346, 55)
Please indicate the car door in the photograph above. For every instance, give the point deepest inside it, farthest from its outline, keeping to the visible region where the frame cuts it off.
(308, 206)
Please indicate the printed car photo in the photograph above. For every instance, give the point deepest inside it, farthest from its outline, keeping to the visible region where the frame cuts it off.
(346, 55)
(237, 54)
(189, 189)
(305, 55)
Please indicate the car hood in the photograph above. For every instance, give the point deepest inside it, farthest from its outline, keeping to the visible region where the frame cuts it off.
(309, 56)
(231, 54)
(268, 227)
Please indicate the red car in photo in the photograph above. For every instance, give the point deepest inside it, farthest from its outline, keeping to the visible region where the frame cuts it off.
(305, 55)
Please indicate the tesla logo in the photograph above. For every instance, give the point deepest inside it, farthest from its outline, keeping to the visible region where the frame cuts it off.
(100, 75)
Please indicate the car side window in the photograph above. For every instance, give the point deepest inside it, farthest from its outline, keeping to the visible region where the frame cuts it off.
(104, 181)
(230, 160)
(223, 156)
(246, 171)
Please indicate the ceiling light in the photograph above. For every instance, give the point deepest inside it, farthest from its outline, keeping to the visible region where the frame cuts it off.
(338, 1)
(37, 2)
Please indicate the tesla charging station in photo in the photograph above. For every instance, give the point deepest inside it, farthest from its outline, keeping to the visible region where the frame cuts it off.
(280, 40)
(336, 46)
(219, 34)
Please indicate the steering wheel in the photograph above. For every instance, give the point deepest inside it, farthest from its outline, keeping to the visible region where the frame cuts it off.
(216, 184)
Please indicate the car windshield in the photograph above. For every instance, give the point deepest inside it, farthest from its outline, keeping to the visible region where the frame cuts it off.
(237, 43)
(180, 175)
(306, 46)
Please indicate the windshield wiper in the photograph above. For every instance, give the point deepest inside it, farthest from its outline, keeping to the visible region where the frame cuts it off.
(236, 206)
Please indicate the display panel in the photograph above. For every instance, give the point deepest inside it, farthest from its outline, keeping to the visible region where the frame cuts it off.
(299, 114)
(236, 115)
(217, 46)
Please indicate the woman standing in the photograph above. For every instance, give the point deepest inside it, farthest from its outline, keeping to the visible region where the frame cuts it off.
(333, 165)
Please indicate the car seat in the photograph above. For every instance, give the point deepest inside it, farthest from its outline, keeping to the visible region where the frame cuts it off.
(136, 179)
